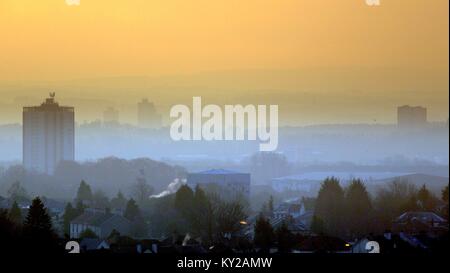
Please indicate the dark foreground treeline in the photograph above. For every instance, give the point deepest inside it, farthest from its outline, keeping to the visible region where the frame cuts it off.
(201, 217)
(351, 212)
(33, 235)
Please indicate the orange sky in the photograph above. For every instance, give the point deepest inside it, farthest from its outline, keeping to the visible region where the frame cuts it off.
(47, 40)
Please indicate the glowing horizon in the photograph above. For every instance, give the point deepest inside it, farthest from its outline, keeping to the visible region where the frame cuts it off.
(396, 53)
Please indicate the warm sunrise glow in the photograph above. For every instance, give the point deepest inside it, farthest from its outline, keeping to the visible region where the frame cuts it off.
(294, 47)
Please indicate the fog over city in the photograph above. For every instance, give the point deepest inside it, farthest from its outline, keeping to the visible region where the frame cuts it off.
(115, 121)
(350, 148)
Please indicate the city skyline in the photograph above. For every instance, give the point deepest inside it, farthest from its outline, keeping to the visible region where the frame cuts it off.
(93, 110)
(321, 61)
(110, 137)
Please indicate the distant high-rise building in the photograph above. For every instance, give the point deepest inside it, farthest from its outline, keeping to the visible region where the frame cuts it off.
(411, 116)
(111, 115)
(48, 135)
(147, 115)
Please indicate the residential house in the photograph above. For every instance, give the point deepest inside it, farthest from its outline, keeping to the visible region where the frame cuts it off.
(294, 214)
(93, 244)
(101, 223)
(389, 243)
(294, 226)
(419, 222)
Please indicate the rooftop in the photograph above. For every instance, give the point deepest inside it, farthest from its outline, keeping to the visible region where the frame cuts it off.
(93, 218)
(218, 171)
(48, 105)
(421, 216)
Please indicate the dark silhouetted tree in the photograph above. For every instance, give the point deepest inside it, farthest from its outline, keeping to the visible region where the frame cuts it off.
(330, 206)
(80, 207)
(426, 200)
(100, 200)
(70, 213)
(133, 213)
(391, 201)
(84, 193)
(184, 201)
(38, 229)
(113, 236)
(264, 234)
(265, 210)
(317, 225)
(444, 198)
(88, 233)
(10, 234)
(230, 214)
(139, 227)
(132, 210)
(285, 238)
(197, 216)
(119, 201)
(445, 194)
(270, 205)
(38, 218)
(17, 193)
(15, 214)
(358, 209)
(309, 203)
(142, 191)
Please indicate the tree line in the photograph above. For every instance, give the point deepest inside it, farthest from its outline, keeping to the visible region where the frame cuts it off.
(352, 212)
(206, 215)
(129, 208)
(33, 234)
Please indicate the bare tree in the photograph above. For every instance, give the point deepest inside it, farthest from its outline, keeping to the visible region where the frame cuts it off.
(141, 190)
(17, 193)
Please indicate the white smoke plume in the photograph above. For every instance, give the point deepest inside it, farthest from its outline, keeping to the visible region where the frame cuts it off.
(186, 239)
(171, 188)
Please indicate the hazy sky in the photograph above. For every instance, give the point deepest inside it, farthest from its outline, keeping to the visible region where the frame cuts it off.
(343, 51)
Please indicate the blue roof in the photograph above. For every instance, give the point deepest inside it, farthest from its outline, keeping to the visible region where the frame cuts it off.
(218, 171)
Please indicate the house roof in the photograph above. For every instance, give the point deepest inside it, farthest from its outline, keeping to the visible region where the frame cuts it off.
(305, 217)
(292, 225)
(92, 243)
(53, 204)
(421, 216)
(218, 171)
(92, 218)
(287, 207)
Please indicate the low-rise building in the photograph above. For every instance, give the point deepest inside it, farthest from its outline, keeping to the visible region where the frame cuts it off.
(416, 222)
(292, 209)
(101, 223)
(93, 244)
